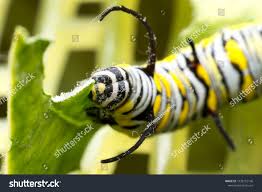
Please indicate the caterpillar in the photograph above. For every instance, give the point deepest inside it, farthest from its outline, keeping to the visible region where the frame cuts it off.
(169, 93)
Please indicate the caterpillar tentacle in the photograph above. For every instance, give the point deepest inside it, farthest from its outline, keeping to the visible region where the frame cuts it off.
(223, 131)
(152, 37)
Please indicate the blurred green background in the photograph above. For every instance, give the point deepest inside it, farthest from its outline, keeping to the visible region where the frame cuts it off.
(81, 45)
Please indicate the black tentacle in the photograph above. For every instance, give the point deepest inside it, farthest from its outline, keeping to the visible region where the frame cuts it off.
(150, 69)
(222, 130)
(196, 60)
(142, 138)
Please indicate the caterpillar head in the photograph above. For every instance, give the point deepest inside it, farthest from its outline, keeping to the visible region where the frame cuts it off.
(112, 85)
(110, 90)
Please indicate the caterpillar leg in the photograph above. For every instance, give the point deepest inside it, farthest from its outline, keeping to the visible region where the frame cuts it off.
(222, 130)
(148, 131)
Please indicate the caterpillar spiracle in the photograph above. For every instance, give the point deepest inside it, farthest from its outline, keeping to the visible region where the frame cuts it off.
(192, 84)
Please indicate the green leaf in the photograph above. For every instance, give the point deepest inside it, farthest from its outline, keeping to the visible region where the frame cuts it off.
(39, 125)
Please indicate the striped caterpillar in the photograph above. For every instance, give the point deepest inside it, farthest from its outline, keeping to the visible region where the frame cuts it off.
(195, 83)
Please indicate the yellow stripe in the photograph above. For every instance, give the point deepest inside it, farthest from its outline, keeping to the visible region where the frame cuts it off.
(166, 85)
(158, 97)
(212, 101)
(164, 119)
(236, 55)
(202, 73)
(129, 105)
(247, 87)
(157, 104)
(170, 58)
(184, 113)
(123, 121)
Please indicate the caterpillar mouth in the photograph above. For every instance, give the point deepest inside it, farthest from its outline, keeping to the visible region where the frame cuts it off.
(100, 114)
(92, 111)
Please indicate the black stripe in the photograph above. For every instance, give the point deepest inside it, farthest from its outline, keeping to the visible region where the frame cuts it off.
(116, 72)
(128, 94)
(105, 79)
(120, 95)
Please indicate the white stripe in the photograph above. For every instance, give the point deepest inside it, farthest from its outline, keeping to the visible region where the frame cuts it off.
(231, 75)
(112, 97)
(107, 73)
(123, 73)
(146, 96)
